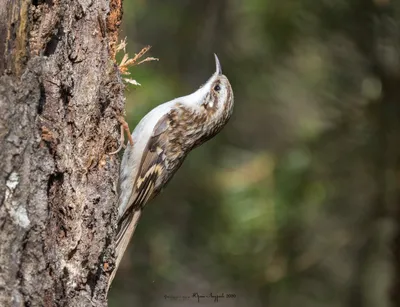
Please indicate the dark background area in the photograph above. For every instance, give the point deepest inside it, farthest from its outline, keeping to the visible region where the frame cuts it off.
(295, 202)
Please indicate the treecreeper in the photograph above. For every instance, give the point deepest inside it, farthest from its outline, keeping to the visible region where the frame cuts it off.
(161, 142)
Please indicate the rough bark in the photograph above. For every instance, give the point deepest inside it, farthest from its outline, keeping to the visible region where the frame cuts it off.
(60, 95)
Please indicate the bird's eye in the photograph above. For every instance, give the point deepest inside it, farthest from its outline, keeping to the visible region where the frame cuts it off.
(217, 88)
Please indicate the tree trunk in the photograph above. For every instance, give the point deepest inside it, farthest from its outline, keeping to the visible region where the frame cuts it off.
(60, 96)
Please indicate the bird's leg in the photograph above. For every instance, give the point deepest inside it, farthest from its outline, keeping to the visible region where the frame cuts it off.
(124, 127)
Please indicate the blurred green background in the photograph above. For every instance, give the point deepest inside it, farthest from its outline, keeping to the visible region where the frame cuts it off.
(295, 202)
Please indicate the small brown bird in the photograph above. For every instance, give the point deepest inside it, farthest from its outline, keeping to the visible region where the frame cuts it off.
(162, 140)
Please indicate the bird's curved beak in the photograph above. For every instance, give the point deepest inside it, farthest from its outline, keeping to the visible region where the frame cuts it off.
(218, 69)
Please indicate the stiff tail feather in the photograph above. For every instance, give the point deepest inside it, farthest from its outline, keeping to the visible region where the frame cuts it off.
(127, 228)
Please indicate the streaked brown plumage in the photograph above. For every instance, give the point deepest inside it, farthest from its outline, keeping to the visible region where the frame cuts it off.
(162, 141)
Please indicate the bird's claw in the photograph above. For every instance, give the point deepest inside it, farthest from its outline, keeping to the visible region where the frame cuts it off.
(124, 127)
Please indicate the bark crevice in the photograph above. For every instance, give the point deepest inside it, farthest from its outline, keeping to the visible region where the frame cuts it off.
(60, 96)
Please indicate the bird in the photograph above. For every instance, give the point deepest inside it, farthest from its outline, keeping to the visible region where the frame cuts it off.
(161, 142)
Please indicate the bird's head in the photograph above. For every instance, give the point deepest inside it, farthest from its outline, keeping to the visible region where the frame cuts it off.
(213, 101)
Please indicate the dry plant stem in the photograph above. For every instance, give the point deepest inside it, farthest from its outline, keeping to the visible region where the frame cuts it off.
(126, 62)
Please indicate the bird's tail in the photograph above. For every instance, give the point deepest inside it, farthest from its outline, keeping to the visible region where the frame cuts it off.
(124, 235)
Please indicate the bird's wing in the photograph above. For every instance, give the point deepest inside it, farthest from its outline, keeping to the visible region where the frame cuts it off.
(151, 168)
